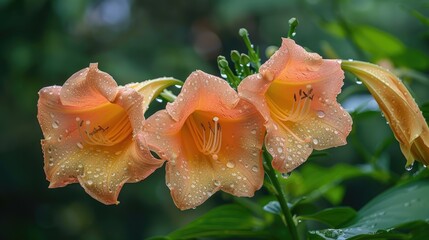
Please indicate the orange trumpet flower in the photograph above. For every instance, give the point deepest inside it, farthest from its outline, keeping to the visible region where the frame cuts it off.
(401, 111)
(296, 92)
(211, 140)
(90, 127)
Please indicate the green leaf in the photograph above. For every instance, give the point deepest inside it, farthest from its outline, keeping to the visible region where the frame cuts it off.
(411, 58)
(423, 19)
(377, 42)
(390, 210)
(334, 217)
(334, 28)
(335, 194)
(304, 182)
(225, 221)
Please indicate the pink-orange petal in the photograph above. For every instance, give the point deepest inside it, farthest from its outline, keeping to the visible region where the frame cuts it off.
(88, 87)
(100, 167)
(292, 78)
(191, 175)
(150, 89)
(208, 92)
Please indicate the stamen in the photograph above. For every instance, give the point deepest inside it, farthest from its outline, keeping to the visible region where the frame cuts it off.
(105, 136)
(298, 111)
(208, 142)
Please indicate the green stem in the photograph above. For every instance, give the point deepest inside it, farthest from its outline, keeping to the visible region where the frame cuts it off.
(280, 195)
(168, 95)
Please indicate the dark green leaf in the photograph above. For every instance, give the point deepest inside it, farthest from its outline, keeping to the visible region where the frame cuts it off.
(412, 58)
(304, 182)
(377, 42)
(334, 28)
(224, 221)
(390, 210)
(334, 217)
(423, 19)
(335, 194)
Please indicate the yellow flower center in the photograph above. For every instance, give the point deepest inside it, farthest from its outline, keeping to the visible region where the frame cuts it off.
(287, 107)
(109, 126)
(207, 134)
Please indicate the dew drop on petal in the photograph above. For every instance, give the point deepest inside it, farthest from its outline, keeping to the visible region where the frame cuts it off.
(90, 182)
(55, 124)
(216, 183)
(253, 131)
(321, 114)
(255, 169)
(279, 149)
(79, 145)
(215, 157)
(315, 141)
(230, 165)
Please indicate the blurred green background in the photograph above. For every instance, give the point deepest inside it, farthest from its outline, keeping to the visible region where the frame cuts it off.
(43, 42)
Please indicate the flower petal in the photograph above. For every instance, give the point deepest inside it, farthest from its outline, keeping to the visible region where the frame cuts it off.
(150, 89)
(88, 87)
(402, 112)
(296, 93)
(194, 175)
(94, 144)
(208, 92)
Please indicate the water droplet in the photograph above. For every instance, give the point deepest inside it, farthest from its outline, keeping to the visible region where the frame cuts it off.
(253, 131)
(230, 165)
(216, 183)
(315, 141)
(55, 124)
(285, 175)
(90, 182)
(409, 166)
(321, 114)
(279, 149)
(178, 86)
(79, 145)
(215, 157)
(215, 119)
(159, 100)
(359, 82)
(255, 168)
